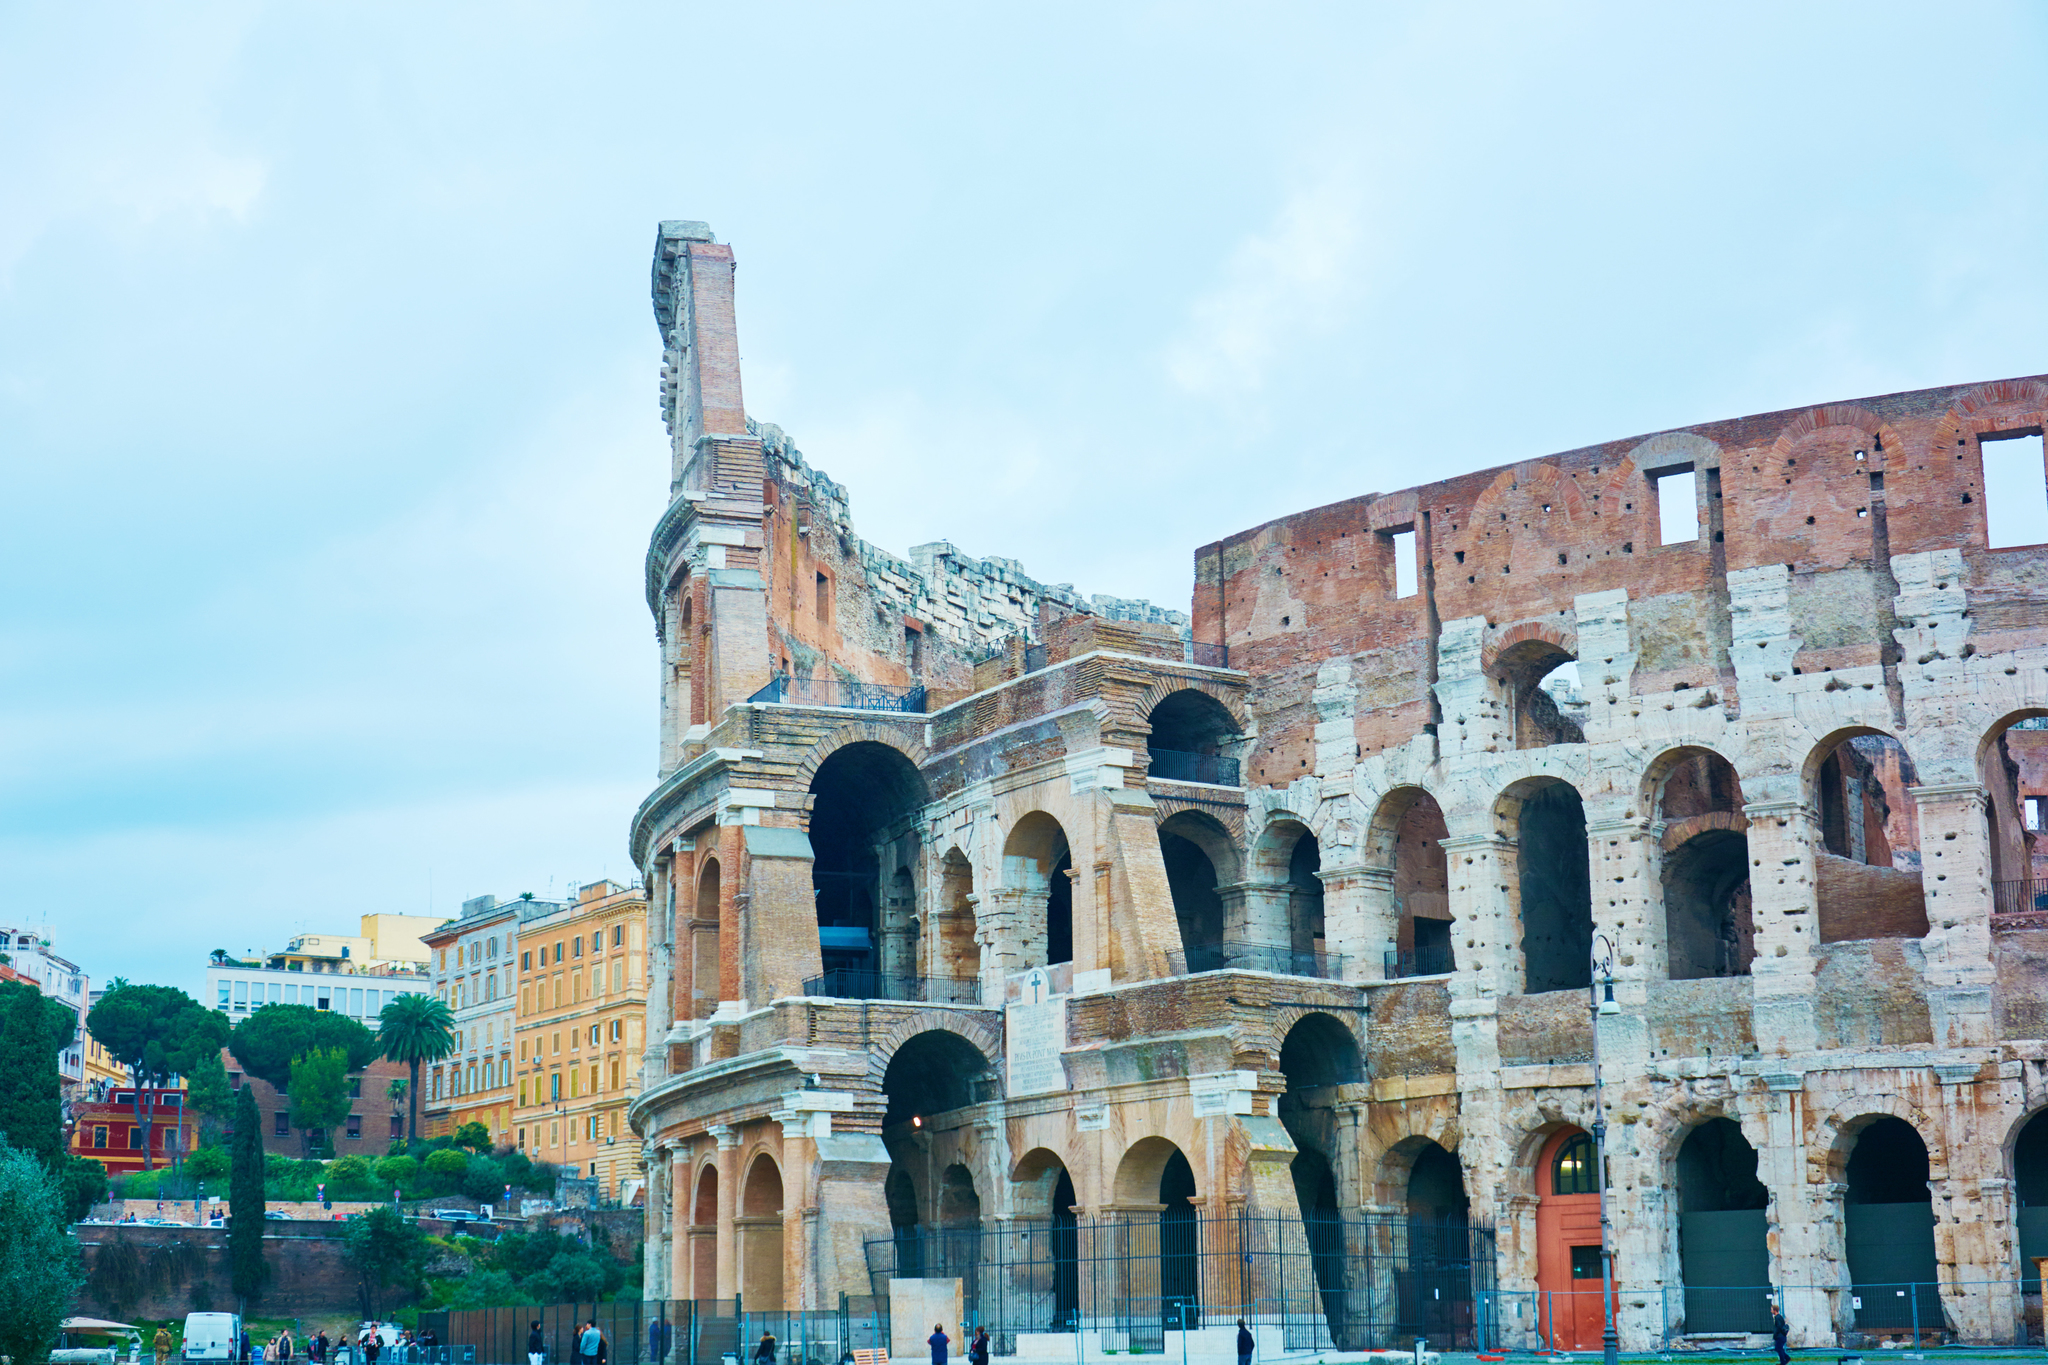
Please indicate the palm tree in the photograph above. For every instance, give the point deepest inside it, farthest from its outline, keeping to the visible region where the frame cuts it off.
(414, 1029)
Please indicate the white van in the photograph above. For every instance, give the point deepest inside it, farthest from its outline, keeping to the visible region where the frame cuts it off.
(212, 1336)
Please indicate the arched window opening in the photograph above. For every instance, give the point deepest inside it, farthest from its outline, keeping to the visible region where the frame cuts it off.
(1888, 1228)
(1556, 890)
(1193, 740)
(2013, 766)
(1043, 1204)
(1179, 1247)
(705, 966)
(1276, 924)
(1572, 1169)
(1540, 682)
(1305, 905)
(932, 1073)
(959, 953)
(704, 1234)
(1066, 1254)
(1190, 844)
(1867, 868)
(901, 1197)
(865, 803)
(1038, 865)
(1721, 1231)
(1422, 903)
(2030, 1185)
(959, 1204)
(1709, 929)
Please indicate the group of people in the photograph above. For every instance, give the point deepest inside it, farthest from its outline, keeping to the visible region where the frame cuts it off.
(368, 1347)
(592, 1347)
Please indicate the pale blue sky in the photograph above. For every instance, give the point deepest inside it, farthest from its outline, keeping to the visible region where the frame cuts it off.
(328, 430)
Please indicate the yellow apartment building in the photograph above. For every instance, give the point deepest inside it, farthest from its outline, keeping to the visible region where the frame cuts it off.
(581, 1029)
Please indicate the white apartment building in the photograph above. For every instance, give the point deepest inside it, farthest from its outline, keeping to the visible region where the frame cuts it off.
(57, 977)
(352, 974)
(474, 966)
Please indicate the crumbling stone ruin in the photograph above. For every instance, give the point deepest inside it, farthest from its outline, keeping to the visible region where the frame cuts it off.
(987, 911)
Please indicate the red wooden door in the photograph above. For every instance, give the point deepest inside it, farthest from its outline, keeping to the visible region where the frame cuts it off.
(1568, 1243)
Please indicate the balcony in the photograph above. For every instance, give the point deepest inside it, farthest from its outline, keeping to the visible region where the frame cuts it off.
(1429, 960)
(846, 983)
(1257, 957)
(1208, 656)
(1174, 766)
(852, 696)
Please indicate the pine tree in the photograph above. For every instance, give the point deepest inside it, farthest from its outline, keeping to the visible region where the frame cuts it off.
(247, 1269)
(31, 1104)
(39, 1262)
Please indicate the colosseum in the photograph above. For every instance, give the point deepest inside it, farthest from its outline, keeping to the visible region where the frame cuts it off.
(1646, 828)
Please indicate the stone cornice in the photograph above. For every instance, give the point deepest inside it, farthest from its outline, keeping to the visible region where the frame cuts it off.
(666, 799)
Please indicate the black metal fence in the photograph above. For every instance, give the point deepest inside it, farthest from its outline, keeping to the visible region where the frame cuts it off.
(1207, 655)
(1431, 960)
(857, 696)
(1256, 957)
(847, 983)
(674, 1332)
(1330, 1282)
(2020, 897)
(1172, 765)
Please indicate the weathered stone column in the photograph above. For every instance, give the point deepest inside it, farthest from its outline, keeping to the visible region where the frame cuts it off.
(661, 918)
(1955, 878)
(728, 1204)
(1009, 925)
(1783, 897)
(1628, 903)
(657, 1231)
(1359, 918)
(1486, 922)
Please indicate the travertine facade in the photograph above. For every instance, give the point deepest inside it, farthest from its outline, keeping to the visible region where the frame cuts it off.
(1324, 898)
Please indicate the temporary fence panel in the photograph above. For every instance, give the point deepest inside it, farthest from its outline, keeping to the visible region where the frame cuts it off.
(1337, 1281)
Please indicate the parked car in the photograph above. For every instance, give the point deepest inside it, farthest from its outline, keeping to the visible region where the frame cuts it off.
(274, 1215)
(212, 1336)
(455, 1216)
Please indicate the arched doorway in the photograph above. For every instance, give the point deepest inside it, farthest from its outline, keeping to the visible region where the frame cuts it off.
(1568, 1271)
(1723, 1257)
(2030, 1189)
(1555, 883)
(1192, 734)
(1318, 1055)
(1406, 839)
(1045, 1197)
(865, 802)
(1180, 1281)
(933, 1219)
(1037, 867)
(1888, 1229)
(704, 1235)
(1435, 1290)
(905, 1227)
(760, 1235)
(1158, 1260)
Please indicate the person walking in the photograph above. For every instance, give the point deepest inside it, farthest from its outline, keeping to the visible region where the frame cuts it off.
(247, 1348)
(536, 1345)
(588, 1342)
(1245, 1344)
(977, 1349)
(764, 1353)
(1780, 1329)
(162, 1344)
(285, 1345)
(938, 1341)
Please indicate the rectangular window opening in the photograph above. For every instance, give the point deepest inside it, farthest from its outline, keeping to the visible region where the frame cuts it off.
(1678, 508)
(2035, 805)
(2015, 488)
(1404, 563)
(824, 599)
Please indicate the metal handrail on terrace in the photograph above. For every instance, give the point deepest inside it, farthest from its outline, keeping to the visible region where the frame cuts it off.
(1279, 959)
(855, 696)
(1437, 961)
(1174, 766)
(849, 983)
(2019, 897)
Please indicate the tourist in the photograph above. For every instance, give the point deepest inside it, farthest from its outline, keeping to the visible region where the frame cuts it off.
(1245, 1344)
(316, 1349)
(536, 1345)
(284, 1344)
(977, 1349)
(938, 1341)
(1780, 1329)
(587, 1344)
(162, 1344)
(764, 1354)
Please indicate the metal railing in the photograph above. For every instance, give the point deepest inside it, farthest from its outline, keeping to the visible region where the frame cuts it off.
(666, 1332)
(2019, 897)
(1208, 655)
(1278, 959)
(848, 983)
(1175, 766)
(1436, 960)
(856, 696)
(1331, 1281)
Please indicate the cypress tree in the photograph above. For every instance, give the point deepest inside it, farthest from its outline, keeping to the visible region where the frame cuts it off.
(31, 1104)
(247, 1270)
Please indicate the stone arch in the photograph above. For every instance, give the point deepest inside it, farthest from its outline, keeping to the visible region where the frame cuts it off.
(704, 1198)
(1260, 1048)
(2014, 831)
(1552, 1115)
(1856, 785)
(1543, 638)
(1996, 406)
(1231, 699)
(1853, 415)
(1675, 447)
(1193, 737)
(759, 1229)
(903, 740)
(931, 1069)
(1827, 1157)
(866, 799)
(956, 949)
(1200, 860)
(1672, 764)
(1396, 1163)
(1404, 840)
(1283, 895)
(1140, 1170)
(1518, 662)
(1037, 859)
(1042, 1189)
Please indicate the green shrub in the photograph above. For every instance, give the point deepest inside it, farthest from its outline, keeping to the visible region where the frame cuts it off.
(208, 1163)
(397, 1173)
(445, 1170)
(350, 1178)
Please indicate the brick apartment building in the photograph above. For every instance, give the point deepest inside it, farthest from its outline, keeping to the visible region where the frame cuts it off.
(375, 1118)
(581, 1034)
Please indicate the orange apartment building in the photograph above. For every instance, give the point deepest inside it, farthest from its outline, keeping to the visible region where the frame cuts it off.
(582, 1016)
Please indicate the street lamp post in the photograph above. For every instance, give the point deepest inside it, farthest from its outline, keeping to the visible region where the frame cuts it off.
(1600, 1000)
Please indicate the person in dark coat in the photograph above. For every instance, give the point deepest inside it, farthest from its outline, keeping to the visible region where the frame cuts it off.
(1245, 1344)
(1780, 1329)
(977, 1349)
(938, 1341)
(536, 1345)
(764, 1354)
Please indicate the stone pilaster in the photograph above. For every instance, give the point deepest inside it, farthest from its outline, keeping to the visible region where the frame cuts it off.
(1783, 892)
(1955, 876)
